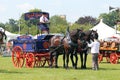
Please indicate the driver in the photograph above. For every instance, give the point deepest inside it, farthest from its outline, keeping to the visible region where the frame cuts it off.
(43, 24)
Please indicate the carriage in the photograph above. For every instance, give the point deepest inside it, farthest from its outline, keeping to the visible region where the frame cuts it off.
(35, 52)
(110, 49)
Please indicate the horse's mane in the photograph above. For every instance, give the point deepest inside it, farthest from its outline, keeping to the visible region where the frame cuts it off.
(87, 34)
(74, 35)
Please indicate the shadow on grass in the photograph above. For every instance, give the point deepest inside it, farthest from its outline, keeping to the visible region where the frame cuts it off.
(61, 67)
(7, 71)
(78, 68)
(109, 69)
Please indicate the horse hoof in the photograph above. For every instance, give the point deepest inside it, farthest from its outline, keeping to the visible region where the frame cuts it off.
(84, 67)
(56, 67)
(50, 66)
(75, 67)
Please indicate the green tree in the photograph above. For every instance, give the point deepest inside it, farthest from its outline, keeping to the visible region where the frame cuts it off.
(83, 27)
(29, 26)
(110, 18)
(2, 25)
(12, 25)
(35, 10)
(58, 24)
(86, 20)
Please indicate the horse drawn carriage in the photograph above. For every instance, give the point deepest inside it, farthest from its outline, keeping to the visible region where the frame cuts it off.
(36, 52)
(110, 49)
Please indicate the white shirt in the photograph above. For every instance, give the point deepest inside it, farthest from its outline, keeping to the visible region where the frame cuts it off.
(43, 19)
(94, 46)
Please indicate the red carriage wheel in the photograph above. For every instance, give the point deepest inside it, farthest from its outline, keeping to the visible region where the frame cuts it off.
(17, 57)
(100, 58)
(113, 58)
(30, 60)
(40, 61)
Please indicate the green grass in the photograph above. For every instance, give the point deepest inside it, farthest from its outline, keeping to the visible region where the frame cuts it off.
(107, 72)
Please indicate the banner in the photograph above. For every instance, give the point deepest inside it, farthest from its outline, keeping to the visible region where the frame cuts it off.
(34, 15)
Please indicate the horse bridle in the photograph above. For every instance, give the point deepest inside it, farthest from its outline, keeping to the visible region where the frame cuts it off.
(93, 35)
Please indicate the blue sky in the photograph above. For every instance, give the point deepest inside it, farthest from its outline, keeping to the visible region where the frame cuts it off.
(73, 9)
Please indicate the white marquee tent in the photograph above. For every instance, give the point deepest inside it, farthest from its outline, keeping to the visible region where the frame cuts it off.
(105, 31)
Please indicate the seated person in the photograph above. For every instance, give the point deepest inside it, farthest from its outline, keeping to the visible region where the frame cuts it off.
(43, 24)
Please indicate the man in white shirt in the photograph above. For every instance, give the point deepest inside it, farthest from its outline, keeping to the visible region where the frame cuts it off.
(94, 51)
(44, 24)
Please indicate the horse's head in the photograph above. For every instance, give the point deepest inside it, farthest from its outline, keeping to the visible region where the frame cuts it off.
(93, 35)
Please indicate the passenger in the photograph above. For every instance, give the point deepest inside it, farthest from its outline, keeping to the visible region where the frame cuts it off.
(44, 24)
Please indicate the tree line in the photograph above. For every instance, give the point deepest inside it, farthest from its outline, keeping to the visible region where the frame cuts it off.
(58, 24)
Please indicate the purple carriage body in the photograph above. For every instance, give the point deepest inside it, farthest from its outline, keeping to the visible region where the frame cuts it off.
(28, 44)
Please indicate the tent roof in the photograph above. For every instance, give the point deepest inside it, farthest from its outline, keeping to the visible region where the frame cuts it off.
(104, 30)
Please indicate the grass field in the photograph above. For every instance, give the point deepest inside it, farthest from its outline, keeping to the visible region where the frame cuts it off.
(107, 71)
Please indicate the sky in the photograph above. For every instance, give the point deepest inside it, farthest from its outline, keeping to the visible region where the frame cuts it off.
(73, 9)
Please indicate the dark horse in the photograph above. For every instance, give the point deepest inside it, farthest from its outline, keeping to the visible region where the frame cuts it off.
(68, 45)
(2, 36)
(83, 48)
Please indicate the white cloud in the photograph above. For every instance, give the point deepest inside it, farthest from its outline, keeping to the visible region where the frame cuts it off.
(2, 8)
(25, 7)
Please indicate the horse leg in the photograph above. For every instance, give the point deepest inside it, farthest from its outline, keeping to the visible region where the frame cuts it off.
(67, 60)
(51, 59)
(64, 59)
(85, 59)
(56, 60)
(71, 57)
(81, 59)
(75, 64)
